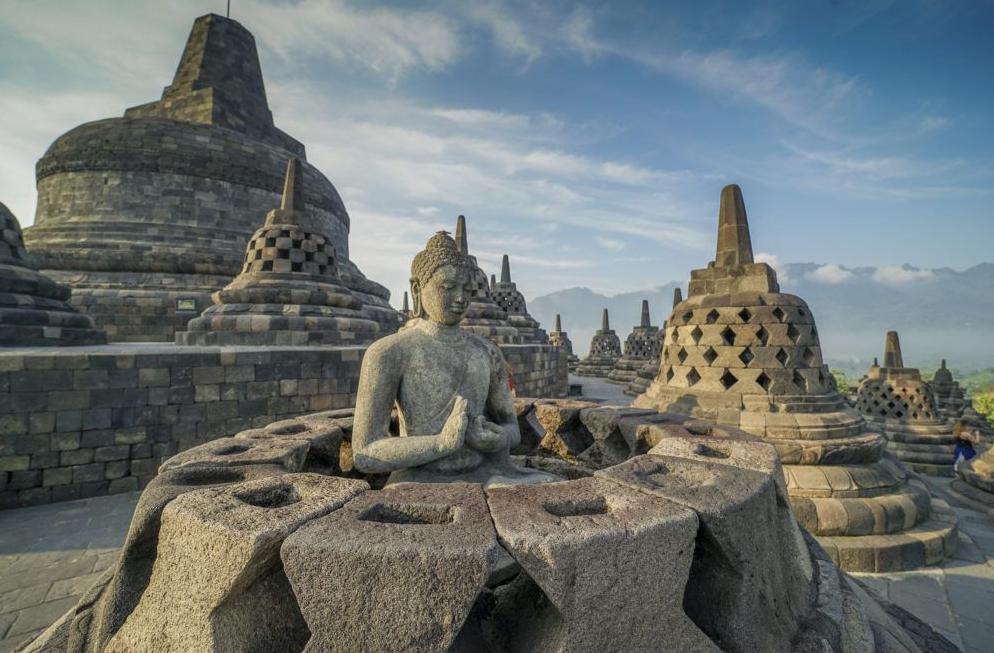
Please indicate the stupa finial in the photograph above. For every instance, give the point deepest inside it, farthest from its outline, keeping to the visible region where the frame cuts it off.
(493, 282)
(892, 350)
(876, 362)
(734, 244)
(605, 322)
(644, 322)
(406, 307)
(293, 186)
(559, 323)
(505, 270)
(677, 296)
(943, 363)
(461, 239)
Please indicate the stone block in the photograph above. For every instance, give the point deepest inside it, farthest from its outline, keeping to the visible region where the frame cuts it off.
(57, 476)
(228, 539)
(289, 454)
(116, 469)
(752, 582)
(121, 485)
(418, 556)
(41, 422)
(93, 472)
(598, 550)
(153, 377)
(22, 480)
(76, 457)
(116, 452)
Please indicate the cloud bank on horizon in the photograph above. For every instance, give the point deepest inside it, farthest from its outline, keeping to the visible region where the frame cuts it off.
(586, 140)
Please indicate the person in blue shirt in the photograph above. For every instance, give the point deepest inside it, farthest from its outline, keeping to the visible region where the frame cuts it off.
(965, 440)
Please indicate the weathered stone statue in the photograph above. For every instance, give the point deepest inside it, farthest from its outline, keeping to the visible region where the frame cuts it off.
(456, 414)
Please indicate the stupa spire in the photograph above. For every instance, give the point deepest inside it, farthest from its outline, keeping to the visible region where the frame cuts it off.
(461, 239)
(293, 186)
(559, 323)
(406, 307)
(677, 296)
(493, 282)
(734, 244)
(943, 363)
(644, 322)
(505, 270)
(605, 322)
(892, 350)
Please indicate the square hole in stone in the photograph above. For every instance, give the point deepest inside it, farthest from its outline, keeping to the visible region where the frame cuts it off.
(278, 496)
(267, 266)
(408, 513)
(728, 380)
(296, 267)
(576, 507)
(270, 242)
(710, 355)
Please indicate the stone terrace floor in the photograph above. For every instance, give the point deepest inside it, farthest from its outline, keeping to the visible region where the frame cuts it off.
(50, 554)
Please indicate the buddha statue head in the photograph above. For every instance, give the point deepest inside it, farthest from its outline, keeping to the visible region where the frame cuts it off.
(441, 281)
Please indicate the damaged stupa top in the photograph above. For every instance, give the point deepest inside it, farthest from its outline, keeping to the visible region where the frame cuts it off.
(288, 292)
(739, 352)
(507, 296)
(142, 214)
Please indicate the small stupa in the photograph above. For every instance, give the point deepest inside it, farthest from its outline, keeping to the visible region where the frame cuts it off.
(954, 404)
(895, 400)
(484, 317)
(506, 294)
(641, 346)
(34, 310)
(739, 352)
(288, 292)
(559, 338)
(605, 350)
(647, 372)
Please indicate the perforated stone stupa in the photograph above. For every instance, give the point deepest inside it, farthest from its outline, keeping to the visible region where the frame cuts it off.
(954, 404)
(560, 338)
(288, 292)
(34, 310)
(605, 350)
(895, 400)
(737, 351)
(484, 317)
(647, 372)
(643, 344)
(506, 294)
(146, 215)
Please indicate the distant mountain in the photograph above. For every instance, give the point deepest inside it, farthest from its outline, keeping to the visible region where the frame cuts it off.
(940, 313)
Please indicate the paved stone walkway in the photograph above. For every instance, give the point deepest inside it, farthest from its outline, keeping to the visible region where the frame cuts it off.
(49, 555)
(597, 388)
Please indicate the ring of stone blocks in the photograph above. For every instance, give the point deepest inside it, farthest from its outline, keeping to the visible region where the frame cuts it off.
(255, 487)
(883, 400)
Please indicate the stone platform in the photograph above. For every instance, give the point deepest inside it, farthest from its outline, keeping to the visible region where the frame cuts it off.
(490, 565)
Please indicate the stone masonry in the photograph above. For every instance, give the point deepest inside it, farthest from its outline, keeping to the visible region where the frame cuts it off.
(605, 350)
(741, 353)
(642, 345)
(647, 372)
(146, 215)
(507, 296)
(560, 338)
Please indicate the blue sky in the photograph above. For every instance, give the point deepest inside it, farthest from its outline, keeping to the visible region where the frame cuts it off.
(588, 140)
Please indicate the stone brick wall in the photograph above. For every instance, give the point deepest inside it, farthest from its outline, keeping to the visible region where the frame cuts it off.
(89, 421)
(98, 420)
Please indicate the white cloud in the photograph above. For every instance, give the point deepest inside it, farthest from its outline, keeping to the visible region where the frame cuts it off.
(830, 273)
(610, 244)
(897, 275)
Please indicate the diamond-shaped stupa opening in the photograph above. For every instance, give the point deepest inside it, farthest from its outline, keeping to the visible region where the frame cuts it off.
(763, 381)
(782, 356)
(798, 380)
(728, 379)
(745, 315)
(746, 356)
(693, 377)
(809, 356)
(712, 316)
(681, 355)
(688, 316)
(763, 336)
(792, 333)
(778, 313)
(728, 336)
(696, 334)
(710, 355)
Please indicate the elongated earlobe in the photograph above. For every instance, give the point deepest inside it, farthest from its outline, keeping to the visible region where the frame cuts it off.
(416, 298)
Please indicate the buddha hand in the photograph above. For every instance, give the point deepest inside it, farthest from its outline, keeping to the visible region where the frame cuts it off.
(484, 435)
(453, 433)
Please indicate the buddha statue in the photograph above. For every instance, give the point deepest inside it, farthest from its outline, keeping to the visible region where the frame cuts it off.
(450, 387)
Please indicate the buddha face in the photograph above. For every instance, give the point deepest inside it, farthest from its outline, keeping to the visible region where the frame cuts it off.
(445, 297)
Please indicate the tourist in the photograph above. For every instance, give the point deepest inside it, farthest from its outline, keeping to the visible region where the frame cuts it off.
(965, 440)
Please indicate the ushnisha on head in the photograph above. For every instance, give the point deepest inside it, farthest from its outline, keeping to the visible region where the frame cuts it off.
(441, 281)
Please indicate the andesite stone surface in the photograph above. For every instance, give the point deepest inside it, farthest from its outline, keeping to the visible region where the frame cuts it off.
(240, 555)
(605, 350)
(506, 294)
(146, 215)
(560, 338)
(34, 310)
(646, 374)
(739, 352)
(897, 401)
